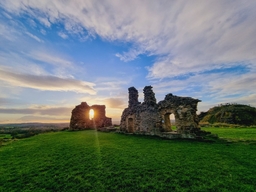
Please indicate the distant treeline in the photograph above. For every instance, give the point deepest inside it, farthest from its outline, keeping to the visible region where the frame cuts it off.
(21, 131)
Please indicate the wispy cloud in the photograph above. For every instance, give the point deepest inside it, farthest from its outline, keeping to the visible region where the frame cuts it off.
(55, 111)
(224, 86)
(44, 21)
(41, 119)
(49, 58)
(34, 37)
(188, 36)
(115, 103)
(4, 101)
(43, 31)
(49, 83)
(112, 84)
(7, 15)
(63, 35)
(12, 61)
(39, 113)
(6, 32)
(129, 55)
(212, 88)
(62, 65)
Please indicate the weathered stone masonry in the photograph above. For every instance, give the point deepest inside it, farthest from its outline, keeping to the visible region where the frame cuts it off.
(80, 117)
(153, 118)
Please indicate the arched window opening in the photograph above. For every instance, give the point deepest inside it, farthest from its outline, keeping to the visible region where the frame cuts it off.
(91, 114)
(169, 122)
(172, 119)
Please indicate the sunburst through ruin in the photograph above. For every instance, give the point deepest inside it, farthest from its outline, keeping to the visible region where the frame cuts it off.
(88, 117)
(147, 118)
(91, 114)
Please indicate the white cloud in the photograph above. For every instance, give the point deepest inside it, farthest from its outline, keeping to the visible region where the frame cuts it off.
(111, 84)
(49, 83)
(231, 85)
(26, 56)
(63, 35)
(6, 32)
(115, 103)
(185, 36)
(129, 55)
(43, 31)
(188, 35)
(32, 23)
(11, 61)
(34, 37)
(44, 21)
(62, 65)
(54, 111)
(41, 119)
(213, 88)
(7, 15)
(72, 27)
(5, 101)
(50, 58)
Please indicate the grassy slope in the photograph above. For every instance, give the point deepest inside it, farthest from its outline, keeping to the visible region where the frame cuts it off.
(230, 113)
(91, 161)
(234, 134)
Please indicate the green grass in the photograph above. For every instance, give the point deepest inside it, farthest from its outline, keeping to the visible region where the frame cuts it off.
(5, 136)
(96, 161)
(234, 134)
(5, 139)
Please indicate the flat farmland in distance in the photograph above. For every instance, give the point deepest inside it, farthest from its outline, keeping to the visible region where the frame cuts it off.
(97, 161)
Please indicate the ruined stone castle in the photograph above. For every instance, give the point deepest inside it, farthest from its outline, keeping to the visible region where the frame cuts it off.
(80, 117)
(152, 118)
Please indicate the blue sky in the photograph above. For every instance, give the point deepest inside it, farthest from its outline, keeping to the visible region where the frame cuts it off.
(56, 54)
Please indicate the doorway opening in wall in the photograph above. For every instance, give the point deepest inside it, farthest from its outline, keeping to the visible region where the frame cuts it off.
(169, 122)
(172, 119)
(130, 125)
(91, 114)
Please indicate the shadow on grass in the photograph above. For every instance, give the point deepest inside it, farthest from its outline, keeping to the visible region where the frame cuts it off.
(211, 138)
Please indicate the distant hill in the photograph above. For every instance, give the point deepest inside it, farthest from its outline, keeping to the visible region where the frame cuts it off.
(231, 114)
(34, 125)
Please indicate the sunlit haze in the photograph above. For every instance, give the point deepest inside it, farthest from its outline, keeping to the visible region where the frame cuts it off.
(56, 54)
(91, 114)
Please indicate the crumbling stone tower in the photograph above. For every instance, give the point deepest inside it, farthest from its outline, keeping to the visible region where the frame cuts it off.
(149, 96)
(153, 118)
(133, 97)
(148, 112)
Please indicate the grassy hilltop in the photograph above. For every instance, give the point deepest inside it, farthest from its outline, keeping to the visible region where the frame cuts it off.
(96, 161)
(231, 114)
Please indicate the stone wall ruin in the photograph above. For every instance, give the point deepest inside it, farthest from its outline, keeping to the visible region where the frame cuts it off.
(152, 118)
(80, 117)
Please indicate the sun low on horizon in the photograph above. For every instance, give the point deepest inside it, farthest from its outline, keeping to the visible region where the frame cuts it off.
(91, 114)
(55, 55)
